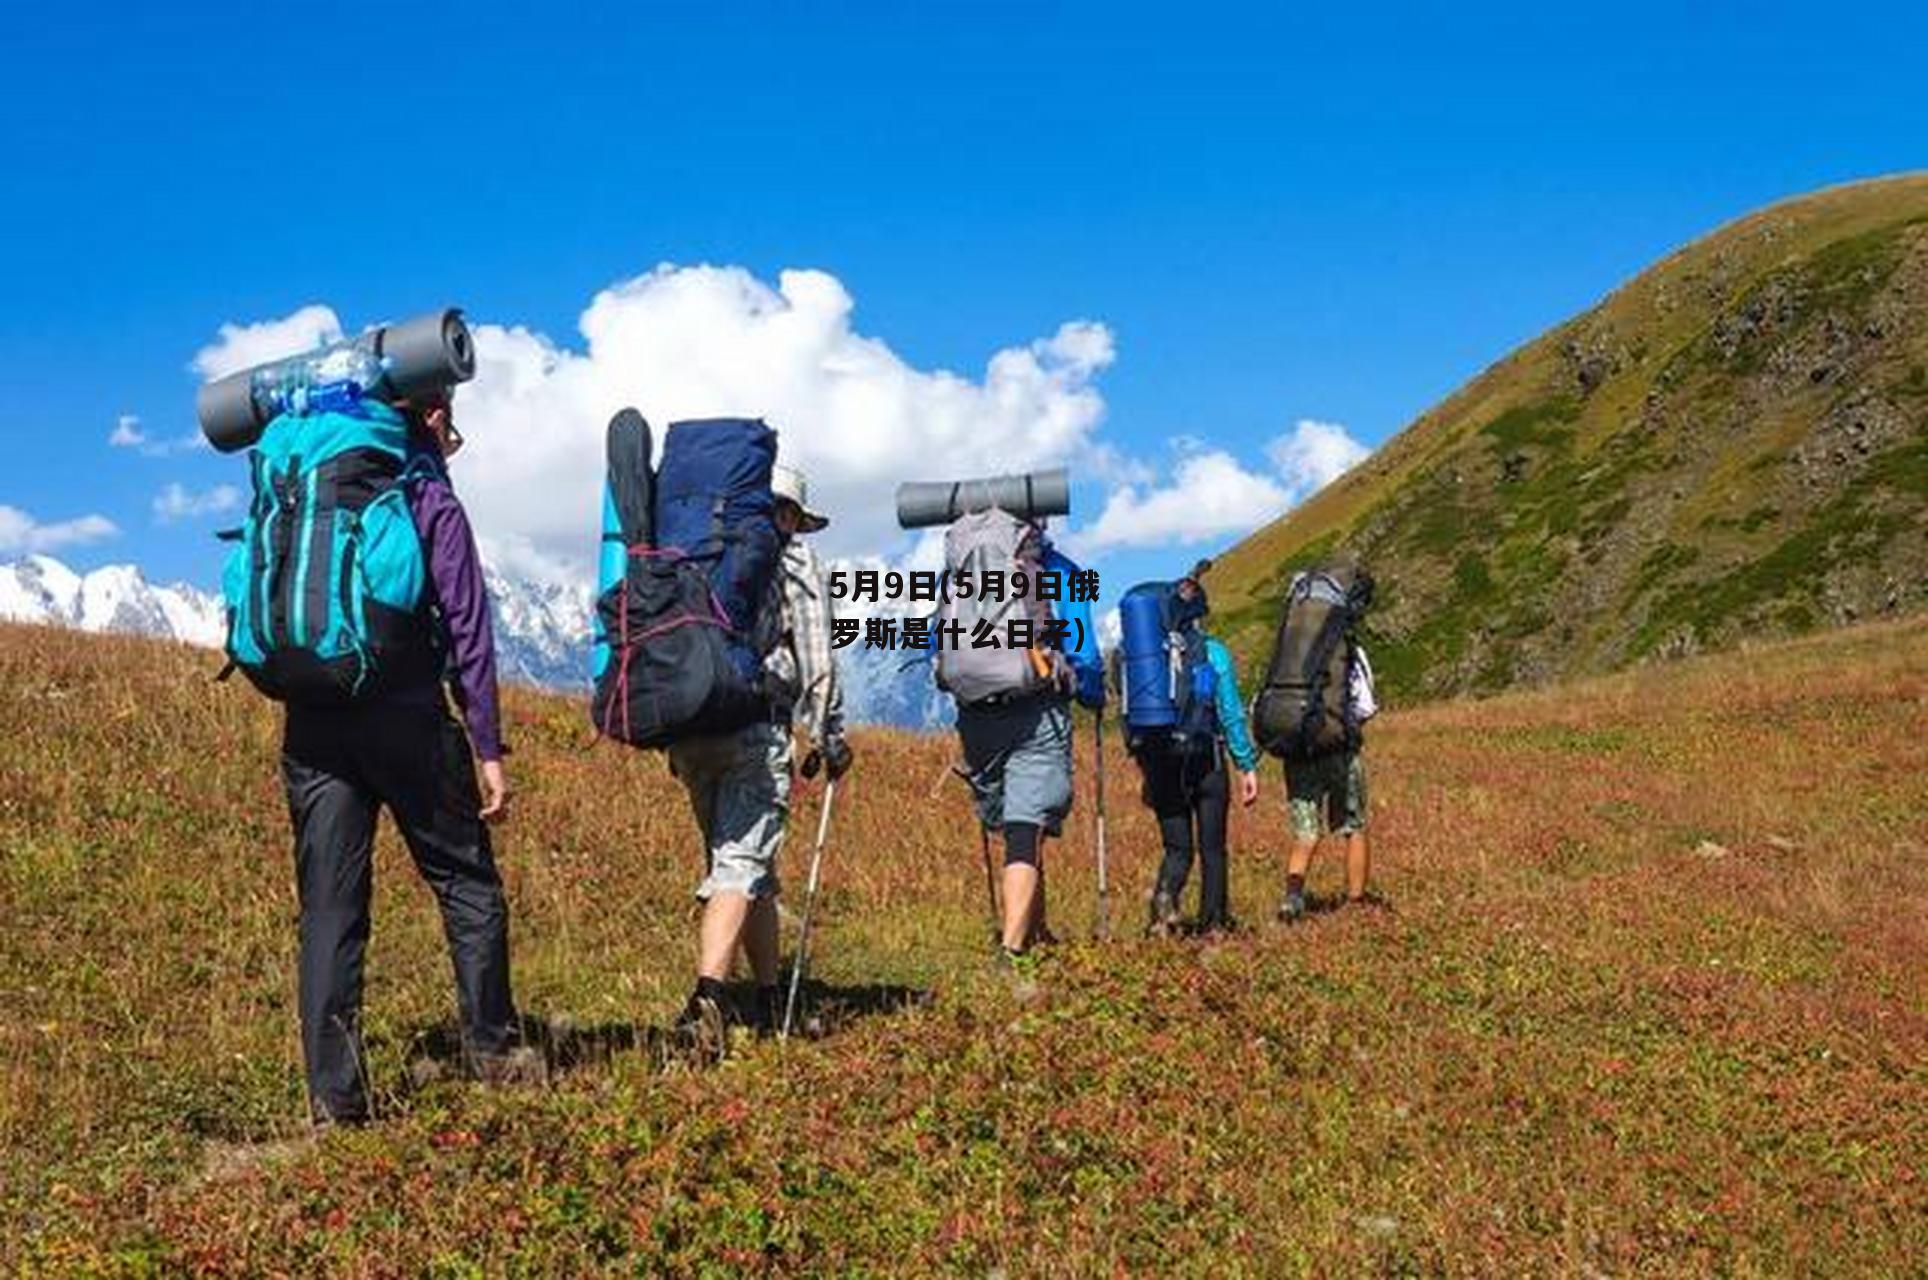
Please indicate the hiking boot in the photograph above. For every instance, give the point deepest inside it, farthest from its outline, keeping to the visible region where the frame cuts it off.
(701, 1031)
(1371, 898)
(1164, 915)
(523, 1065)
(323, 1121)
(766, 1018)
(1292, 909)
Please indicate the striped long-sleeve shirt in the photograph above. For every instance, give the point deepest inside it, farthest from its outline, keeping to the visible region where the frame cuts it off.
(803, 672)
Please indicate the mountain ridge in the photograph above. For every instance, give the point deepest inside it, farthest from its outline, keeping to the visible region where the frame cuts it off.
(1729, 444)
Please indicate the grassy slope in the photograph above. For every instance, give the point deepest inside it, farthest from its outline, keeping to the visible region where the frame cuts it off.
(1733, 444)
(1583, 1040)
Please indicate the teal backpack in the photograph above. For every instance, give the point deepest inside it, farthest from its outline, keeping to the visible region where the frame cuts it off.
(327, 582)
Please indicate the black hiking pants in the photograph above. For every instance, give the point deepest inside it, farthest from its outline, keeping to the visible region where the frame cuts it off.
(1190, 794)
(340, 765)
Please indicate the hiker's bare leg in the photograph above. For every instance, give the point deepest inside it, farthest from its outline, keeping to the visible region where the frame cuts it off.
(760, 941)
(1358, 864)
(723, 918)
(1300, 858)
(1037, 909)
(1022, 898)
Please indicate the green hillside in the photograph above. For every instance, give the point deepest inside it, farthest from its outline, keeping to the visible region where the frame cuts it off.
(1641, 1007)
(1734, 444)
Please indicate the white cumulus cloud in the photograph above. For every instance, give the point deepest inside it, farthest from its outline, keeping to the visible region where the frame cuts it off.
(693, 342)
(707, 341)
(128, 433)
(19, 531)
(176, 502)
(1314, 454)
(1213, 495)
(239, 346)
(1210, 495)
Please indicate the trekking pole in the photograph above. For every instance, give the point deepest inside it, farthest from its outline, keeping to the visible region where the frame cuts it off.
(1104, 879)
(990, 884)
(809, 907)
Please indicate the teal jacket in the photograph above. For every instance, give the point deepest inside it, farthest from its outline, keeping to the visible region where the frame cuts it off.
(1231, 707)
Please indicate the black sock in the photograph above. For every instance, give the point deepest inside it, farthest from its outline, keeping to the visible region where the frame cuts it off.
(710, 989)
(1294, 886)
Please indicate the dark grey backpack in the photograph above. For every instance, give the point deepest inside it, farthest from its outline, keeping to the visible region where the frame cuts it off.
(1300, 711)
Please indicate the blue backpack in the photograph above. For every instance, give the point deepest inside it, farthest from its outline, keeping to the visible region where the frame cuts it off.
(327, 582)
(1170, 685)
(690, 554)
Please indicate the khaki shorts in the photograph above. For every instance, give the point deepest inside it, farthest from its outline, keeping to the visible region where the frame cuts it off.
(1327, 794)
(739, 786)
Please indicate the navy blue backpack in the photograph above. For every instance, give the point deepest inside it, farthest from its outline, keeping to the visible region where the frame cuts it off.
(1170, 685)
(690, 552)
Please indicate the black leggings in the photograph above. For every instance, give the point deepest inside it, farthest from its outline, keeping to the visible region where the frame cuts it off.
(1190, 792)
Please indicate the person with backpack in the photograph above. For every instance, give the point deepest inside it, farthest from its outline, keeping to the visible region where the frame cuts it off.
(1311, 713)
(354, 591)
(1328, 794)
(1183, 716)
(739, 781)
(1013, 700)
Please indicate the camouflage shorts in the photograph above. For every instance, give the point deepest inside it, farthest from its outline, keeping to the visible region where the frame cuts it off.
(1327, 795)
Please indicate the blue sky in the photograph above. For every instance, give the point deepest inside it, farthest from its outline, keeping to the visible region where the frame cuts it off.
(1276, 215)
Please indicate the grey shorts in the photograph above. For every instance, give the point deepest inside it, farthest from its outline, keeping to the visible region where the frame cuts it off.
(739, 787)
(1019, 757)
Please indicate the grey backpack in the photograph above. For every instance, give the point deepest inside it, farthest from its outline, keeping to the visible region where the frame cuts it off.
(993, 541)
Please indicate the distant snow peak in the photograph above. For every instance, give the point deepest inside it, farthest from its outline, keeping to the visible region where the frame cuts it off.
(115, 598)
(542, 632)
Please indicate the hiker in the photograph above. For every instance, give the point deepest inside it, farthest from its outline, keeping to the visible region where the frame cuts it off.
(1013, 711)
(739, 781)
(1185, 779)
(1328, 793)
(1311, 712)
(401, 748)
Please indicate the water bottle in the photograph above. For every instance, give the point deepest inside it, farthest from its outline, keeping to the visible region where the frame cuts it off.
(331, 380)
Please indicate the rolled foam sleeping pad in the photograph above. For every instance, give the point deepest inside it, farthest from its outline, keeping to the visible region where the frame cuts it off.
(1031, 495)
(427, 353)
(1149, 699)
(226, 410)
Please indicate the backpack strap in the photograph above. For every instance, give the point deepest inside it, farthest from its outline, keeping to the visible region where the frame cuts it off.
(419, 467)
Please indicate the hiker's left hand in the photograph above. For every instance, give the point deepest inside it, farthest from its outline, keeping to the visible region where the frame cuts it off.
(1248, 787)
(495, 791)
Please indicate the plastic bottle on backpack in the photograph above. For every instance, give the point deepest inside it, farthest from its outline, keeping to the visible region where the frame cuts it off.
(333, 380)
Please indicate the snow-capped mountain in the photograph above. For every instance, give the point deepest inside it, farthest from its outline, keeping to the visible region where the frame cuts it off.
(542, 632)
(115, 598)
(893, 687)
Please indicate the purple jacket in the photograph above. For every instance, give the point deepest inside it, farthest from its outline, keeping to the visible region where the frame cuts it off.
(456, 587)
